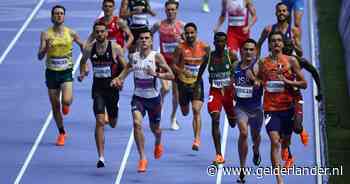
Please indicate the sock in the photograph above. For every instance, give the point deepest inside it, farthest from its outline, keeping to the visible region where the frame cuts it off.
(61, 130)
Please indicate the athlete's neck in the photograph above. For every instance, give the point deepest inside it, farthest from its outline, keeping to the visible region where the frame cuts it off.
(58, 28)
(192, 44)
(275, 55)
(101, 45)
(246, 63)
(170, 21)
(107, 18)
(283, 25)
(144, 52)
(219, 52)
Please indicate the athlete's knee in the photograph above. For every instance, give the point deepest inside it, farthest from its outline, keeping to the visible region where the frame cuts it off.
(196, 111)
(137, 125)
(243, 134)
(100, 122)
(215, 116)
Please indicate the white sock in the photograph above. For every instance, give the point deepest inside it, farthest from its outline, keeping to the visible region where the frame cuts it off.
(102, 159)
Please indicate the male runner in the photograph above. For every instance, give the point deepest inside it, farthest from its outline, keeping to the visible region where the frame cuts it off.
(220, 68)
(56, 44)
(145, 65)
(188, 58)
(137, 13)
(239, 26)
(107, 61)
(170, 31)
(248, 107)
(279, 73)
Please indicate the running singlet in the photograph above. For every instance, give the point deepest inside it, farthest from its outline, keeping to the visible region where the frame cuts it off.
(138, 20)
(169, 35)
(145, 85)
(105, 67)
(276, 97)
(237, 13)
(220, 71)
(246, 94)
(192, 59)
(59, 56)
(114, 31)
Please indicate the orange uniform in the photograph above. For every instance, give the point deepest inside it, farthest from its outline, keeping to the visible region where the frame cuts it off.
(277, 96)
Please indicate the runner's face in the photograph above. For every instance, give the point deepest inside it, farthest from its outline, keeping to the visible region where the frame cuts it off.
(276, 43)
(190, 34)
(58, 16)
(101, 33)
(145, 40)
(220, 43)
(171, 11)
(108, 8)
(282, 13)
(248, 52)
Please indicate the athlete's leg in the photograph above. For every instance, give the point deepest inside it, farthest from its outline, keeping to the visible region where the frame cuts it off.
(243, 139)
(112, 108)
(175, 100)
(215, 131)
(138, 134)
(100, 137)
(196, 108)
(274, 154)
(255, 129)
(67, 96)
(54, 96)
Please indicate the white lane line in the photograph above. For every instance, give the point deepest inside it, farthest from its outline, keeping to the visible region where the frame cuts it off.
(223, 151)
(40, 136)
(315, 103)
(19, 33)
(125, 158)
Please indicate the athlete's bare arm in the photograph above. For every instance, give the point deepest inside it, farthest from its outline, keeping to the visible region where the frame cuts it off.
(77, 40)
(155, 27)
(297, 41)
(123, 10)
(118, 81)
(167, 74)
(83, 61)
(264, 34)
(252, 12)
(300, 81)
(177, 61)
(118, 54)
(122, 24)
(44, 45)
(222, 16)
(204, 63)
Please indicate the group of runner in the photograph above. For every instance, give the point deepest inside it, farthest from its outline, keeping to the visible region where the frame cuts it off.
(246, 85)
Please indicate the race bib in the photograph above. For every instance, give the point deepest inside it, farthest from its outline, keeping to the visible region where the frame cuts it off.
(236, 20)
(144, 83)
(59, 63)
(140, 19)
(219, 83)
(193, 69)
(169, 47)
(244, 92)
(102, 72)
(275, 86)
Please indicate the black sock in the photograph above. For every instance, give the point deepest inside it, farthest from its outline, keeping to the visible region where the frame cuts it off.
(61, 130)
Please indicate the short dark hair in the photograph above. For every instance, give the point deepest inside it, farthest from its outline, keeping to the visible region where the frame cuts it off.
(172, 2)
(275, 33)
(109, 1)
(249, 40)
(99, 24)
(58, 6)
(145, 30)
(220, 34)
(280, 4)
(191, 24)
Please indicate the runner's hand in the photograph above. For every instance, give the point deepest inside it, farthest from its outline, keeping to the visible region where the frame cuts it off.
(116, 82)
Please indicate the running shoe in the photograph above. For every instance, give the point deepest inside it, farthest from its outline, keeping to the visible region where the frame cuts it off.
(304, 137)
(61, 140)
(196, 144)
(174, 125)
(205, 7)
(256, 159)
(219, 159)
(241, 177)
(65, 109)
(158, 151)
(289, 162)
(284, 154)
(100, 164)
(142, 166)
